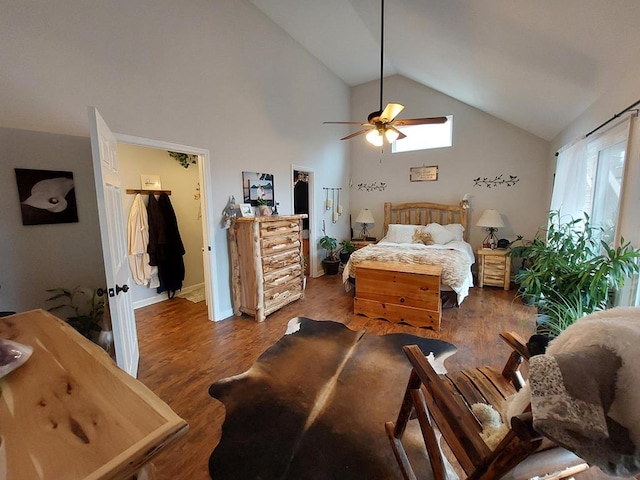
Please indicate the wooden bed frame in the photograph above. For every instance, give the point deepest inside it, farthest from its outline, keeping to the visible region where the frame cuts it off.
(422, 213)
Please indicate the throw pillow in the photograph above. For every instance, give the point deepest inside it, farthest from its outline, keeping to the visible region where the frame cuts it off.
(439, 234)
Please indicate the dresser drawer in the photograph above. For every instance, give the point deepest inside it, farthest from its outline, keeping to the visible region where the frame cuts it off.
(495, 261)
(284, 275)
(282, 293)
(280, 260)
(280, 243)
(280, 227)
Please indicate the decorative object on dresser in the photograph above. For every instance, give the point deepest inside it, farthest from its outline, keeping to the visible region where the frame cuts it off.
(267, 263)
(491, 220)
(494, 268)
(365, 218)
(399, 292)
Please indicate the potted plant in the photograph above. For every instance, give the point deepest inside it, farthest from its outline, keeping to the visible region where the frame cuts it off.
(346, 249)
(263, 207)
(83, 307)
(331, 262)
(573, 272)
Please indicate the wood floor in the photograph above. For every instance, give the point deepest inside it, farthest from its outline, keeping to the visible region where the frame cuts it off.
(182, 354)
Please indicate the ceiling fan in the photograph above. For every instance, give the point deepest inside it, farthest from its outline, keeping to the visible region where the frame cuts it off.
(382, 124)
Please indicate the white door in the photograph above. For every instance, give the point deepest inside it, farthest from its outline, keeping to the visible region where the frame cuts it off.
(114, 243)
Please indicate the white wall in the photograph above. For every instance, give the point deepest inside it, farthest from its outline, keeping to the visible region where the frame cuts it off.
(483, 146)
(183, 183)
(215, 75)
(40, 257)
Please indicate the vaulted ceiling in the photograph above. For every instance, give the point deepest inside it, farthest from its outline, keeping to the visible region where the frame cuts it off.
(537, 64)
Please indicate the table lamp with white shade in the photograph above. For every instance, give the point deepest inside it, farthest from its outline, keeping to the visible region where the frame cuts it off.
(365, 218)
(491, 220)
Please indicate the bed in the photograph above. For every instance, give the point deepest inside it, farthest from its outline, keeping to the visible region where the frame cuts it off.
(423, 233)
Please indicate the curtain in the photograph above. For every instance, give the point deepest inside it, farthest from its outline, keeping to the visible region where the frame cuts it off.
(570, 186)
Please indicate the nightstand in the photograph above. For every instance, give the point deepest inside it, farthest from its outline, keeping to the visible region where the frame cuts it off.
(359, 243)
(495, 268)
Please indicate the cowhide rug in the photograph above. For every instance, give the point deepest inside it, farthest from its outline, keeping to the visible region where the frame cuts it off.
(314, 405)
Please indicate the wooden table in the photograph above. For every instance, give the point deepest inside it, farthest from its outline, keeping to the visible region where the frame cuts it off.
(70, 413)
(399, 292)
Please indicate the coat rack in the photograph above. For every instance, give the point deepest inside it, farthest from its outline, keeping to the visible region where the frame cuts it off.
(133, 191)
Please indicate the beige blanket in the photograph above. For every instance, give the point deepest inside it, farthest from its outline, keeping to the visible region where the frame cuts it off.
(455, 264)
(585, 390)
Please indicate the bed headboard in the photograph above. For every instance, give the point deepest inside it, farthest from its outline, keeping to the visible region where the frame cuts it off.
(422, 213)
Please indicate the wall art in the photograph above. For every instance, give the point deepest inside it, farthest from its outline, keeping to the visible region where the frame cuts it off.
(46, 196)
(257, 186)
(370, 187)
(499, 180)
(423, 174)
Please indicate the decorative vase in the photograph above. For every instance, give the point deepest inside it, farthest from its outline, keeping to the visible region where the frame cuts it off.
(265, 210)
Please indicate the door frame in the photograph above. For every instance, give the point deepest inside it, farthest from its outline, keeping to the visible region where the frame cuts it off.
(206, 195)
(313, 250)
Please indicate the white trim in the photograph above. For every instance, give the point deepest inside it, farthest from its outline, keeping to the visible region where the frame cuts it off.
(206, 195)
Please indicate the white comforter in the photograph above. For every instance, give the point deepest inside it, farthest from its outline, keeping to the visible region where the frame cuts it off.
(455, 258)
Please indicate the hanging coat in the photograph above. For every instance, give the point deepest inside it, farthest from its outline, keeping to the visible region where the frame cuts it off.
(138, 240)
(165, 244)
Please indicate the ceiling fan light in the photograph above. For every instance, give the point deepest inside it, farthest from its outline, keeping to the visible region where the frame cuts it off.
(391, 135)
(375, 138)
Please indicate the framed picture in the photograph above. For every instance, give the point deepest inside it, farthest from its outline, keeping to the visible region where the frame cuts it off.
(46, 196)
(246, 210)
(257, 185)
(150, 182)
(423, 174)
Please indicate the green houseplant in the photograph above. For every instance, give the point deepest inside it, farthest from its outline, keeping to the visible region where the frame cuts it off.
(331, 262)
(346, 249)
(573, 271)
(83, 307)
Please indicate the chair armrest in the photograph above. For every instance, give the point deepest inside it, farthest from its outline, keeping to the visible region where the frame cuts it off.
(520, 352)
(517, 343)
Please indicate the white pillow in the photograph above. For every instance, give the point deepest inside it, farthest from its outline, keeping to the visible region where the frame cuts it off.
(400, 233)
(457, 229)
(439, 234)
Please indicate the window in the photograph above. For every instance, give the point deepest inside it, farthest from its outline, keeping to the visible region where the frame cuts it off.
(425, 137)
(589, 178)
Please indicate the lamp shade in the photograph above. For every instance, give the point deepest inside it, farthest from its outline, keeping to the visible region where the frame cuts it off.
(490, 219)
(365, 216)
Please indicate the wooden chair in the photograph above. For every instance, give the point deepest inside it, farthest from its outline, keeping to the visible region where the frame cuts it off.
(443, 402)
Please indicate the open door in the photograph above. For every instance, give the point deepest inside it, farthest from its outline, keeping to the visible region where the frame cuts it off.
(114, 242)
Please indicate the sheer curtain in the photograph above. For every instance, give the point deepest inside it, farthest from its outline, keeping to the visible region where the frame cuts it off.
(570, 186)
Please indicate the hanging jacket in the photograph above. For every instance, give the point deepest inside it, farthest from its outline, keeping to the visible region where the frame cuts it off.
(138, 239)
(168, 249)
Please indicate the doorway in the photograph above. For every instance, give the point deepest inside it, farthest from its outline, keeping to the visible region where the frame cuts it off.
(302, 200)
(202, 191)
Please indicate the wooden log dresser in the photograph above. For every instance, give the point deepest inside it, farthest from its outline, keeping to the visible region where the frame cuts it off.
(266, 262)
(399, 292)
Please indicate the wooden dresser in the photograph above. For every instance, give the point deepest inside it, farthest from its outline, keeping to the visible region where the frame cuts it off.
(494, 268)
(399, 292)
(266, 263)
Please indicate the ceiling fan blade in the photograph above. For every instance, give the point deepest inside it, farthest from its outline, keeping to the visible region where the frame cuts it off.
(419, 121)
(400, 134)
(391, 111)
(359, 132)
(350, 123)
